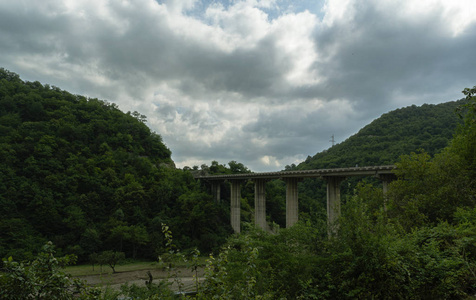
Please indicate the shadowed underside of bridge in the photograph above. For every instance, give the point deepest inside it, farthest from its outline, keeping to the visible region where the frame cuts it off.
(333, 177)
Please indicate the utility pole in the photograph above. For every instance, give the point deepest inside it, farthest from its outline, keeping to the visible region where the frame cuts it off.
(332, 140)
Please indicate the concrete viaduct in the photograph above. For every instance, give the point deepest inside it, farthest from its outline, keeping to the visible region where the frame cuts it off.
(333, 177)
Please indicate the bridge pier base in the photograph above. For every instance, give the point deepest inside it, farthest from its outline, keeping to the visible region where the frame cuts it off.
(292, 211)
(235, 205)
(333, 203)
(260, 203)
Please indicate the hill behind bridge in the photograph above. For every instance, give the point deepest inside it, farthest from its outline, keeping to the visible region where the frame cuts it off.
(428, 127)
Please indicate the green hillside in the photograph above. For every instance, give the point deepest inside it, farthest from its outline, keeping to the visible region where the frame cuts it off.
(402, 131)
(88, 177)
(428, 128)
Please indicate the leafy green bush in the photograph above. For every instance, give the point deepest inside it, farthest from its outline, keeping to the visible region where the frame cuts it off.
(372, 257)
(258, 265)
(42, 278)
(160, 290)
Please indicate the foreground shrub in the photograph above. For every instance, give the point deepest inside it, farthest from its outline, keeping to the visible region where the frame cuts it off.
(42, 278)
(258, 265)
(370, 258)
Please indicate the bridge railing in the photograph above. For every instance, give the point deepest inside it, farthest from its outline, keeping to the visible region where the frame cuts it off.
(345, 172)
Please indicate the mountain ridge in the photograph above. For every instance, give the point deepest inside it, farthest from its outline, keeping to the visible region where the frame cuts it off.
(428, 128)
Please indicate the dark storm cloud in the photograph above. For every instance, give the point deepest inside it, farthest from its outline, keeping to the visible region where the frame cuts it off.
(251, 73)
(141, 48)
(374, 54)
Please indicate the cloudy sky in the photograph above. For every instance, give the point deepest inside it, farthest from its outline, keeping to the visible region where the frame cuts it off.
(265, 83)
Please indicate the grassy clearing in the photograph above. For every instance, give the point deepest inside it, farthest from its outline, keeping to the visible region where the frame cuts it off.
(87, 270)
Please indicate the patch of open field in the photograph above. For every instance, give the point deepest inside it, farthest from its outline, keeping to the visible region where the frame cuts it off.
(137, 273)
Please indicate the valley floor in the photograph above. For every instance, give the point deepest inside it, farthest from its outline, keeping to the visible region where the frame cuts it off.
(185, 278)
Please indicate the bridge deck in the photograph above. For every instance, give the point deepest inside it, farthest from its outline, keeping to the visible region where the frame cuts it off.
(339, 172)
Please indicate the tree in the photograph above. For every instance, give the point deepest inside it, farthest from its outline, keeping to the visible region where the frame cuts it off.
(236, 167)
(138, 237)
(93, 259)
(429, 190)
(111, 258)
(121, 233)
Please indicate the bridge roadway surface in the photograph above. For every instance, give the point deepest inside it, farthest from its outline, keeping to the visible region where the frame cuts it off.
(318, 173)
(333, 177)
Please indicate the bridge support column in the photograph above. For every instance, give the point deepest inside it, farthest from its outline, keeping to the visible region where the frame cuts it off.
(260, 203)
(216, 191)
(333, 202)
(235, 205)
(292, 211)
(386, 179)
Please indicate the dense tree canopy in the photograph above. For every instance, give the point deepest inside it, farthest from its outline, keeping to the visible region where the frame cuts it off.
(85, 175)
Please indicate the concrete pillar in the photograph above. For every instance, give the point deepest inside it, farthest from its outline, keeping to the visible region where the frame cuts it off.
(292, 210)
(260, 203)
(333, 202)
(216, 191)
(235, 205)
(385, 187)
(386, 179)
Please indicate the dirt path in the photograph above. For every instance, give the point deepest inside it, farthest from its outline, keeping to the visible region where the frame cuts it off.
(139, 277)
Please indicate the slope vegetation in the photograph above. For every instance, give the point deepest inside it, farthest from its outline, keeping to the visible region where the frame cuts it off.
(88, 177)
(428, 127)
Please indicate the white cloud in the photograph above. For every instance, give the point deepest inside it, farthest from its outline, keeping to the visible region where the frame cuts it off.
(270, 161)
(458, 15)
(265, 83)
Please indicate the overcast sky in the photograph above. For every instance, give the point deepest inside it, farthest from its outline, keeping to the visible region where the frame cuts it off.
(265, 83)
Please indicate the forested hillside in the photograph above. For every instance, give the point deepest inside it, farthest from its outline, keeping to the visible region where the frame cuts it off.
(428, 127)
(88, 177)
